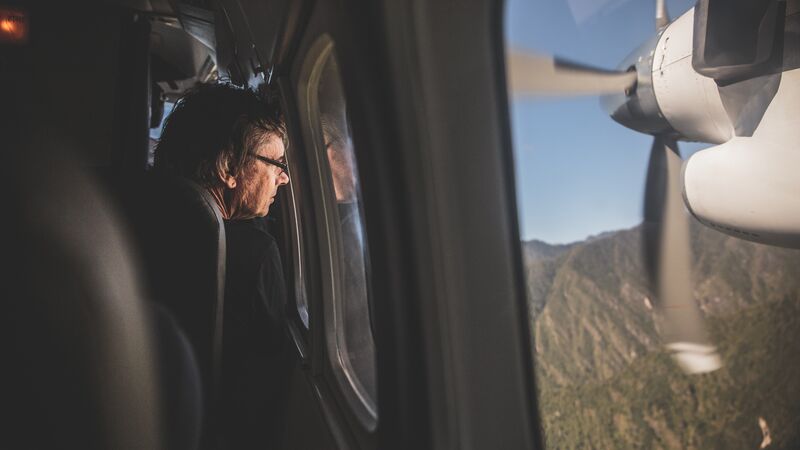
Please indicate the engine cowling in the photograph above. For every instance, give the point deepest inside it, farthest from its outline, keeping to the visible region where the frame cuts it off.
(749, 187)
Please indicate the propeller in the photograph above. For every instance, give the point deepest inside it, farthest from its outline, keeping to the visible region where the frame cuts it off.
(667, 258)
(667, 251)
(535, 74)
(666, 243)
(662, 17)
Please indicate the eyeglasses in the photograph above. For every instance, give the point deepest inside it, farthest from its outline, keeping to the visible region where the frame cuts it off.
(281, 165)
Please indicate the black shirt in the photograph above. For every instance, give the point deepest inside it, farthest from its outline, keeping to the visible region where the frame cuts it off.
(255, 361)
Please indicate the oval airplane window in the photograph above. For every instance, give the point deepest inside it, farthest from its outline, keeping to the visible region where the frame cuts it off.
(621, 360)
(348, 324)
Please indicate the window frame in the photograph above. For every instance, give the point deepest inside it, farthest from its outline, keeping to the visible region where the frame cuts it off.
(406, 78)
(352, 424)
(329, 232)
(298, 244)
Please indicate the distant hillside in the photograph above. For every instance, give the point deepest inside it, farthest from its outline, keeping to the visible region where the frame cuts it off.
(534, 250)
(603, 378)
(541, 262)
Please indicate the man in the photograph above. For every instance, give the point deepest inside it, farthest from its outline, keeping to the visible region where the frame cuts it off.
(232, 142)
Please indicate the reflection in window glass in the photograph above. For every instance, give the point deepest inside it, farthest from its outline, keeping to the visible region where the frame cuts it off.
(355, 349)
(603, 375)
(155, 133)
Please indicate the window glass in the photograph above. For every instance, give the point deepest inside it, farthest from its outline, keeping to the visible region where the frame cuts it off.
(155, 133)
(604, 374)
(299, 249)
(351, 345)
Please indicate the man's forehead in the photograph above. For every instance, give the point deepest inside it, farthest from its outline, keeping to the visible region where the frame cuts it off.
(272, 147)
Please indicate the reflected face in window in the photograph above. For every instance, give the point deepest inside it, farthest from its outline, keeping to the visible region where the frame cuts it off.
(340, 157)
(259, 180)
(341, 161)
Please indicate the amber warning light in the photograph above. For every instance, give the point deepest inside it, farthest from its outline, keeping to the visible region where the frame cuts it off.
(13, 26)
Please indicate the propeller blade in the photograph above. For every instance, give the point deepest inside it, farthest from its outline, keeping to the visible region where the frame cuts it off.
(668, 261)
(532, 74)
(662, 16)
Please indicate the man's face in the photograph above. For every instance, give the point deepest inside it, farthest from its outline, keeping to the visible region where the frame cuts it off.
(259, 181)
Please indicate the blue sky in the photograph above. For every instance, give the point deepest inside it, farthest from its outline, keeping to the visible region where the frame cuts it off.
(155, 133)
(578, 172)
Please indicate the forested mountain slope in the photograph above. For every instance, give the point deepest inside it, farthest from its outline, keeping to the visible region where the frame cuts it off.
(604, 380)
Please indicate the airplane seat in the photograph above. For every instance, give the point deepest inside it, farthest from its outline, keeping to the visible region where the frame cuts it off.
(80, 368)
(180, 235)
(181, 390)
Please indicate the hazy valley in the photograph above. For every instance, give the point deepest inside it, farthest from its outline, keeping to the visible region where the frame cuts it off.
(604, 380)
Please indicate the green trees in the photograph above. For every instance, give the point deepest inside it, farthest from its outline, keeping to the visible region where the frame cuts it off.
(604, 380)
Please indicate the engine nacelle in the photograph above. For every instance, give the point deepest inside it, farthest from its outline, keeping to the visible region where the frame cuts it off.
(690, 102)
(749, 187)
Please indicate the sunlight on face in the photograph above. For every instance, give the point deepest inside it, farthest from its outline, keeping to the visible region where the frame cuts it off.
(259, 181)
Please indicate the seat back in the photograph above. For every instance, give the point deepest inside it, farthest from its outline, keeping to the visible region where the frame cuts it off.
(180, 235)
(181, 389)
(184, 254)
(80, 367)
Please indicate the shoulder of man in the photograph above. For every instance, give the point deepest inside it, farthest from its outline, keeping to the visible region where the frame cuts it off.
(246, 235)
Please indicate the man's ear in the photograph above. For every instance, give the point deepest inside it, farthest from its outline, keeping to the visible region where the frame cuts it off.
(223, 172)
(229, 181)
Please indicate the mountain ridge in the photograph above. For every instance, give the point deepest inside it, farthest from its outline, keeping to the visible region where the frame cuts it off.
(596, 327)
